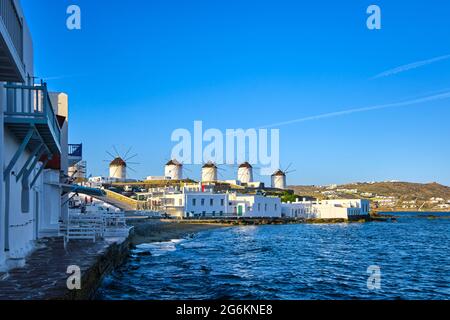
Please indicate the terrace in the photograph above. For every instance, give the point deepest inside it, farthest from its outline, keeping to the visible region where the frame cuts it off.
(31, 118)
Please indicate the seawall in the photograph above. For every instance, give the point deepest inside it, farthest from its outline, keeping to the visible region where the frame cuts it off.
(44, 276)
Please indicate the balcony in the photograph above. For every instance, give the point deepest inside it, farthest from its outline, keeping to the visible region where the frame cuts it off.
(11, 42)
(75, 154)
(29, 107)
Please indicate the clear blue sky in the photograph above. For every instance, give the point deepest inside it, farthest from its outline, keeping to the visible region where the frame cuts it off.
(140, 69)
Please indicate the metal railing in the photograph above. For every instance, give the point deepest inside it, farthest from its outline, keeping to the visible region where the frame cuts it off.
(30, 102)
(13, 24)
(76, 150)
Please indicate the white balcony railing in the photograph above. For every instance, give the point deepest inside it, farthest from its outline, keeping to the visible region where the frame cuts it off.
(32, 105)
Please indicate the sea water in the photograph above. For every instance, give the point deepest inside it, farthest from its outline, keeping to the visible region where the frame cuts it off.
(305, 261)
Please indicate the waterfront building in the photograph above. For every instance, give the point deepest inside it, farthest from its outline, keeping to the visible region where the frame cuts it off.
(33, 144)
(347, 209)
(298, 209)
(202, 201)
(254, 206)
(196, 204)
(34, 151)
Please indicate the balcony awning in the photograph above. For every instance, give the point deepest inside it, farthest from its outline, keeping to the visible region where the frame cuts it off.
(74, 188)
(84, 190)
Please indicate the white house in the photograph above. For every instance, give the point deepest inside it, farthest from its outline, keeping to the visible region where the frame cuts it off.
(201, 201)
(298, 209)
(196, 204)
(328, 209)
(254, 206)
(33, 144)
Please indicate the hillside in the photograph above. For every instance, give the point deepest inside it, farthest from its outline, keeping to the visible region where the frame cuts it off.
(386, 195)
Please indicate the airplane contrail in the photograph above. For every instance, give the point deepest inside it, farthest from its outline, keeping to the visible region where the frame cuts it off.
(62, 77)
(410, 66)
(440, 96)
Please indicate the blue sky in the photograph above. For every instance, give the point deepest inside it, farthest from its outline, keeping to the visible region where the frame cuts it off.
(138, 70)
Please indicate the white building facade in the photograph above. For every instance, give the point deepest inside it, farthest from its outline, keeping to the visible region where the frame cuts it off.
(33, 141)
(254, 206)
(347, 209)
(198, 204)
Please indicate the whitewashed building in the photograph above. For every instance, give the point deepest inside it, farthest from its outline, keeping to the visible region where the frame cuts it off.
(198, 200)
(254, 206)
(33, 144)
(196, 204)
(347, 209)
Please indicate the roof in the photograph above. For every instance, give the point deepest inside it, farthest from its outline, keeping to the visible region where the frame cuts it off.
(279, 173)
(118, 162)
(173, 163)
(209, 165)
(246, 165)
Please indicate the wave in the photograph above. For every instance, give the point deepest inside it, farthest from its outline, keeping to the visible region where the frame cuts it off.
(159, 248)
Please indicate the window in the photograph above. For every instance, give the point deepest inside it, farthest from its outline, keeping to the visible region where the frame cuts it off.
(222, 202)
(180, 202)
(265, 207)
(194, 202)
(211, 202)
(259, 206)
(276, 207)
(203, 202)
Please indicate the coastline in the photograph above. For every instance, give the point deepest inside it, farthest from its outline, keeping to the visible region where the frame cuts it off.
(151, 230)
(162, 230)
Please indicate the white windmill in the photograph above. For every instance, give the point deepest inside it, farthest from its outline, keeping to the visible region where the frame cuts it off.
(173, 170)
(119, 165)
(209, 172)
(245, 173)
(279, 178)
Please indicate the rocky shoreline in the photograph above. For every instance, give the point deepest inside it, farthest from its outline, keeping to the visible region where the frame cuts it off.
(151, 230)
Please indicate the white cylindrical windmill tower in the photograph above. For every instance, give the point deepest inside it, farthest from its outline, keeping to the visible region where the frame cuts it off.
(279, 180)
(118, 169)
(173, 170)
(245, 173)
(209, 172)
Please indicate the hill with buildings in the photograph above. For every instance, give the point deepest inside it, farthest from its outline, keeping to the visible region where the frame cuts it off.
(389, 196)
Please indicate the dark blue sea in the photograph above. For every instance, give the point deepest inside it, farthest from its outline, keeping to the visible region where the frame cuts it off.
(295, 262)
